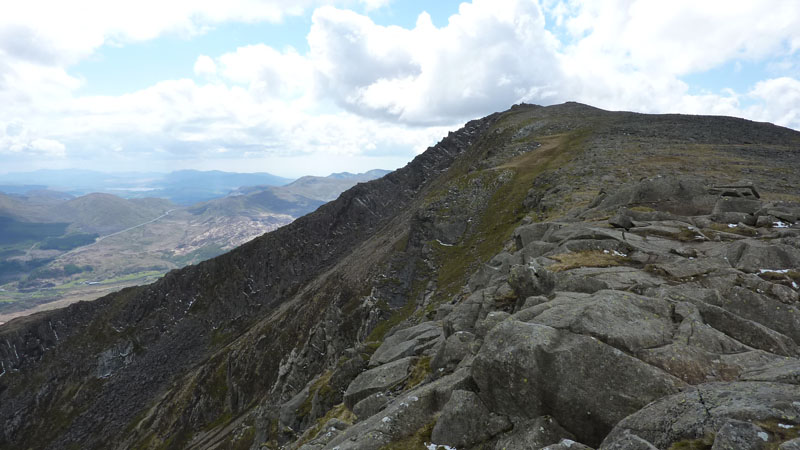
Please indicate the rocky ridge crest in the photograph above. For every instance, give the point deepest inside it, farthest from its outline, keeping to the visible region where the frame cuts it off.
(560, 277)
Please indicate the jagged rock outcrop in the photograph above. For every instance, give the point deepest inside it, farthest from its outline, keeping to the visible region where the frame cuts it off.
(557, 277)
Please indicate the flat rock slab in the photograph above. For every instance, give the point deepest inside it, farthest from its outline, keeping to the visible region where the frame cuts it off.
(529, 370)
(379, 379)
(406, 342)
(622, 319)
(693, 267)
(705, 409)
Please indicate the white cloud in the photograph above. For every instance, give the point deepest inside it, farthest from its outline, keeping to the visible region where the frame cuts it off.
(267, 71)
(682, 36)
(205, 66)
(779, 102)
(490, 55)
(371, 91)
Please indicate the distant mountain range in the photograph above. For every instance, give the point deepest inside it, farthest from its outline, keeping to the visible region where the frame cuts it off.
(55, 246)
(183, 187)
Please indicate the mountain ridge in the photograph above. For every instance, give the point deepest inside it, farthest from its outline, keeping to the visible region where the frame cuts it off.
(275, 336)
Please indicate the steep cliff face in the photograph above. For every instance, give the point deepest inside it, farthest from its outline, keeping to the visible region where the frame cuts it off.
(552, 269)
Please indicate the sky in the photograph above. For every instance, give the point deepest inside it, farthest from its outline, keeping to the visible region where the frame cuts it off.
(311, 87)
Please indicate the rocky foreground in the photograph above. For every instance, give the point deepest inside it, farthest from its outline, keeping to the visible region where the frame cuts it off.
(666, 315)
(559, 277)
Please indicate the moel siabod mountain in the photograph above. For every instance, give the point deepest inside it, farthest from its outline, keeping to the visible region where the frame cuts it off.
(560, 277)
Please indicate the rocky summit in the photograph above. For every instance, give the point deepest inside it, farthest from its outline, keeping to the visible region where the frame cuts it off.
(554, 277)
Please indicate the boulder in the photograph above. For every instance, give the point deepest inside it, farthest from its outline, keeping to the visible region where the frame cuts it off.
(529, 370)
(403, 416)
(630, 442)
(530, 279)
(621, 221)
(794, 444)
(490, 321)
(624, 320)
(406, 342)
(567, 444)
(738, 435)
(465, 421)
(455, 349)
(532, 434)
(574, 283)
(735, 218)
(702, 411)
(752, 256)
(527, 234)
(379, 379)
(736, 205)
(693, 267)
(682, 195)
(371, 405)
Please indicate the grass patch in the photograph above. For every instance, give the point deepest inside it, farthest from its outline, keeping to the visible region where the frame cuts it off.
(704, 443)
(505, 209)
(320, 387)
(779, 433)
(724, 228)
(339, 411)
(683, 235)
(588, 258)
(242, 442)
(419, 372)
(792, 275)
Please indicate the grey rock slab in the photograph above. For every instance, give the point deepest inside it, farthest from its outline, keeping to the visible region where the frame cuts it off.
(490, 321)
(455, 349)
(379, 379)
(677, 195)
(784, 370)
(734, 218)
(738, 435)
(794, 444)
(704, 409)
(532, 434)
(736, 205)
(620, 278)
(529, 370)
(465, 421)
(540, 231)
(746, 331)
(371, 405)
(768, 311)
(530, 279)
(567, 281)
(404, 416)
(752, 256)
(405, 342)
(693, 267)
(621, 221)
(630, 442)
(624, 320)
(766, 221)
(567, 444)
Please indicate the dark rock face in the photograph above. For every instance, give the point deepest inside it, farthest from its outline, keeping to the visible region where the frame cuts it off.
(563, 277)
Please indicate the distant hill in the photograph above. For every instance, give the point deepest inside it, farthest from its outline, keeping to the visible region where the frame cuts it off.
(106, 213)
(295, 199)
(56, 248)
(183, 187)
